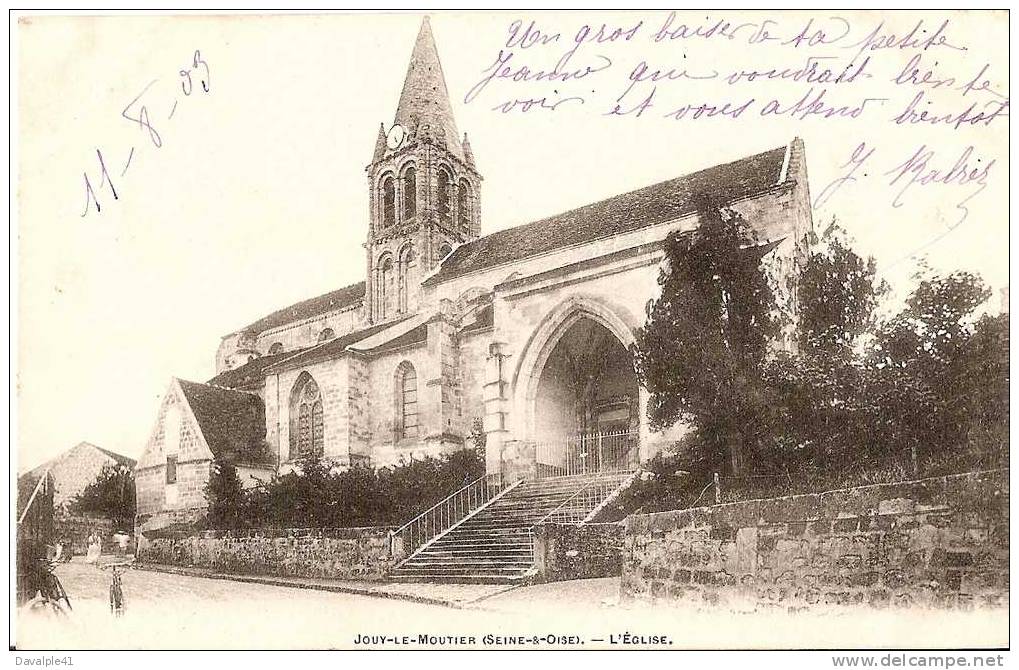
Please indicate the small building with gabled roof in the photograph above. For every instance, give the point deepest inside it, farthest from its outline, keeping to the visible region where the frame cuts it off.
(196, 425)
(75, 469)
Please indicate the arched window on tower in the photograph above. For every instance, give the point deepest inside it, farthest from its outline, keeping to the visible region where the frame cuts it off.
(407, 263)
(388, 201)
(326, 334)
(444, 251)
(386, 287)
(463, 199)
(307, 427)
(406, 419)
(410, 193)
(444, 185)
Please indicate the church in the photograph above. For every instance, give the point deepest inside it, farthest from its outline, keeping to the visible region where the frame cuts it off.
(515, 341)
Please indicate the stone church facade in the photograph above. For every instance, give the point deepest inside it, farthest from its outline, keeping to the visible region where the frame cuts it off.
(518, 338)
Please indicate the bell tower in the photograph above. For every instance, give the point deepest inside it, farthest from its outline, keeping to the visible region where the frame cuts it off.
(423, 185)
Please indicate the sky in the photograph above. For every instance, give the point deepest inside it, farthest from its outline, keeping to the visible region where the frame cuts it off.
(235, 201)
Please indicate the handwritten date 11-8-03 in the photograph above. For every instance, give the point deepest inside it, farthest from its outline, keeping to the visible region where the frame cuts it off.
(194, 78)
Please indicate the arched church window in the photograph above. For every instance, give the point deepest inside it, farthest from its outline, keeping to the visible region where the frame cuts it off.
(326, 334)
(463, 198)
(386, 287)
(307, 428)
(407, 262)
(444, 195)
(410, 193)
(276, 348)
(406, 402)
(444, 251)
(388, 201)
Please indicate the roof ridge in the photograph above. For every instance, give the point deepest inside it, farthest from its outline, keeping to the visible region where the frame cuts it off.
(114, 454)
(217, 387)
(265, 323)
(637, 190)
(648, 205)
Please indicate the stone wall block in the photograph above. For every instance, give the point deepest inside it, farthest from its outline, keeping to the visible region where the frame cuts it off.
(941, 542)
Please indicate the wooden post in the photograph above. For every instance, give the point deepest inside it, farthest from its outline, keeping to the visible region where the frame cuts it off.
(718, 491)
(913, 457)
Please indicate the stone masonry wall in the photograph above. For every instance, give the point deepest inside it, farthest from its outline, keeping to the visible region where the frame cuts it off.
(75, 529)
(940, 542)
(338, 553)
(565, 551)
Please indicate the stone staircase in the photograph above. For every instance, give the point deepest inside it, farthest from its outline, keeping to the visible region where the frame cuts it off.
(495, 544)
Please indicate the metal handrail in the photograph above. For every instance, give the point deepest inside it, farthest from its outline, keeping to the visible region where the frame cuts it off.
(565, 502)
(586, 488)
(443, 515)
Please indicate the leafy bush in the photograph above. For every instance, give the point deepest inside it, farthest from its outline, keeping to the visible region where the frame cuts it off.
(315, 496)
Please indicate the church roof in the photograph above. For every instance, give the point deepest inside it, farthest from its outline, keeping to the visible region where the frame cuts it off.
(306, 309)
(648, 206)
(424, 100)
(233, 422)
(251, 373)
(336, 346)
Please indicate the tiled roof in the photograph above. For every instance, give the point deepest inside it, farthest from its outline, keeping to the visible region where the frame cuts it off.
(233, 422)
(252, 372)
(413, 336)
(344, 297)
(120, 459)
(336, 346)
(485, 319)
(647, 206)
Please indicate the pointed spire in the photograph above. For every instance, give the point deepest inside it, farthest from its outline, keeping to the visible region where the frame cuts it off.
(380, 144)
(425, 100)
(468, 154)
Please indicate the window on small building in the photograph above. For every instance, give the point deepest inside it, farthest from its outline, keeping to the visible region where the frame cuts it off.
(307, 426)
(444, 195)
(406, 402)
(388, 201)
(171, 469)
(276, 348)
(410, 193)
(326, 334)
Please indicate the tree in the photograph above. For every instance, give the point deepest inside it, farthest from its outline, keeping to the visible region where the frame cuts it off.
(838, 291)
(819, 388)
(926, 348)
(707, 335)
(110, 495)
(225, 496)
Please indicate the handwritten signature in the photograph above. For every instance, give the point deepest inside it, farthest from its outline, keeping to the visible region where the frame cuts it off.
(924, 167)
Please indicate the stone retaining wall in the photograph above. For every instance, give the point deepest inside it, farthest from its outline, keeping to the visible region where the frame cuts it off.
(338, 553)
(74, 530)
(563, 551)
(939, 542)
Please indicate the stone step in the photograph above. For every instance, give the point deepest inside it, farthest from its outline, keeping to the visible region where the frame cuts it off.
(495, 545)
(452, 570)
(475, 565)
(458, 579)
